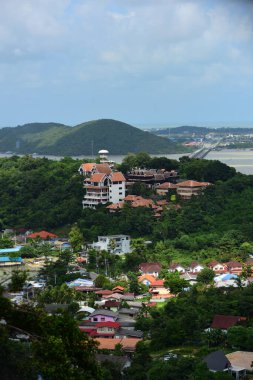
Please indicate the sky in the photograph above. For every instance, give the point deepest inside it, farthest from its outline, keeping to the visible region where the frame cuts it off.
(144, 62)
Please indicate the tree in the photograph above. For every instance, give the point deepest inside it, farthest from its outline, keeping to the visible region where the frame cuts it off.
(175, 283)
(206, 276)
(18, 279)
(76, 239)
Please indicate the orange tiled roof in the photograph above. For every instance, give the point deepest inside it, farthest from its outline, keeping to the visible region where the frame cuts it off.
(167, 185)
(148, 277)
(110, 343)
(158, 283)
(97, 177)
(115, 206)
(191, 183)
(117, 176)
(88, 166)
(142, 203)
(103, 168)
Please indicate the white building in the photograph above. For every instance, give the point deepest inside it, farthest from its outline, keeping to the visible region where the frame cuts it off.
(102, 184)
(116, 244)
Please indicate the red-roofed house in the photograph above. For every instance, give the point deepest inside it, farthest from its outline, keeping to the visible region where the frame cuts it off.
(164, 188)
(150, 268)
(234, 267)
(146, 279)
(187, 189)
(224, 322)
(42, 234)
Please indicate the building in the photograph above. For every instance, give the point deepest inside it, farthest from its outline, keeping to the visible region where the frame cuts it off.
(165, 187)
(150, 268)
(117, 244)
(152, 177)
(102, 184)
(187, 189)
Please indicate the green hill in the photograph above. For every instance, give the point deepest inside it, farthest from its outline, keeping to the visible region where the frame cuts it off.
(59, 139)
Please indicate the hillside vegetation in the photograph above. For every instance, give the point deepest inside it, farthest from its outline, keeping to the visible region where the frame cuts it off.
(62, 140)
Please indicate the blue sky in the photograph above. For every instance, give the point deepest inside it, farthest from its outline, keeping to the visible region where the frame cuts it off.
(138, 61)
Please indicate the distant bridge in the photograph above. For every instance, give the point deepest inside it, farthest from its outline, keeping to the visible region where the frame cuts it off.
(204, 150)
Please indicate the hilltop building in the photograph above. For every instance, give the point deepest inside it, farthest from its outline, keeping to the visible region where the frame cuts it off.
(102, 184)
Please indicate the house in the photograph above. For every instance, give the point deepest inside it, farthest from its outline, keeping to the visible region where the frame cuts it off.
(128, 344)
(112, 305)
(118, 289)
(105, 329)
(165, 187)
(146, 279)
(44, 235)
(177, 268)
(103, 316)
(224, 322)
(241, 362)
(116, 244)
(195, 267)
(159, 291)
(102, 184)
(217, 361)
(234, 267)
(217, 267)
(152, 177)
(150, 268)
(187, 189)
(127, 313)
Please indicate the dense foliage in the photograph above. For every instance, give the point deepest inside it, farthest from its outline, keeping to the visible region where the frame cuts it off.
(39, 193)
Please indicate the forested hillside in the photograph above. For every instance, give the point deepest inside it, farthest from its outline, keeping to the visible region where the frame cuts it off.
(83, 139)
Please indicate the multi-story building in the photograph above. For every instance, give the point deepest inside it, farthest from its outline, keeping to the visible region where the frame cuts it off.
(116, 244)
(187, 189)
(102, 184)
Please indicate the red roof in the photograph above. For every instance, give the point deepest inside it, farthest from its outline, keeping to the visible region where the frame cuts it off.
(148, 277)
(225, 321)
(42, 235)
(88, 166)
(103, 168)
(115, 325)
(234, 264)
(117, 177)
(167, 185)
(191, 183)
(157, 283)
(118, 288)
(97, 177)
(115, 206)
(112, 303)
(104, 292)
(150, 267)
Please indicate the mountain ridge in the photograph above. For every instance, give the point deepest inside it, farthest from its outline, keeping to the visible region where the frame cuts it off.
(60, 139)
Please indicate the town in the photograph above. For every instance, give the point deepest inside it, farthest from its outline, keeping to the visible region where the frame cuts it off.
(143, 274)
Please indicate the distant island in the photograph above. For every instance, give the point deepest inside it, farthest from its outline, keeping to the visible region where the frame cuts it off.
(84, 139)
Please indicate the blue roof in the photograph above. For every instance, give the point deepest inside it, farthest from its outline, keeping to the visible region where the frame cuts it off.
(11, 250)
(10, 259)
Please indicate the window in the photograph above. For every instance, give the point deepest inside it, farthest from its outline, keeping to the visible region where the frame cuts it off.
(102, 319)
(120, 193)
(120, 188)
(95, 319)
